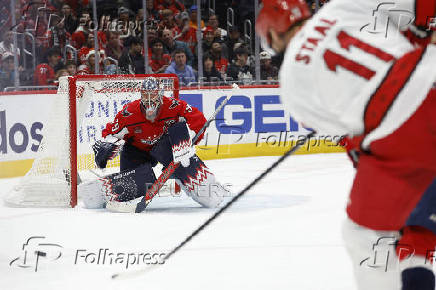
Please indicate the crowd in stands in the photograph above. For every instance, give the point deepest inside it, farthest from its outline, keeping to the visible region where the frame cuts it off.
(57, 37)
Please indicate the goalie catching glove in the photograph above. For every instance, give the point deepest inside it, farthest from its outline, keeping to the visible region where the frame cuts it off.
(104, 151)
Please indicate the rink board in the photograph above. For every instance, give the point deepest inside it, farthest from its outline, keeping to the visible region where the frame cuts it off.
(253, 123)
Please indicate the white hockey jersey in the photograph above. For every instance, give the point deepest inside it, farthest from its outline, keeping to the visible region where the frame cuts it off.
(343, 57)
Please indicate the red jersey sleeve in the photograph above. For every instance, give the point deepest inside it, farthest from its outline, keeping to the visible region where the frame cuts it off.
(118, 127)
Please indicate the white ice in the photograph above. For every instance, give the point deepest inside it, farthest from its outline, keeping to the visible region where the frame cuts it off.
(283, 234)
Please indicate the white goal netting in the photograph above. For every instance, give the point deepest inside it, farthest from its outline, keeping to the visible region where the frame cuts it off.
(82, 107)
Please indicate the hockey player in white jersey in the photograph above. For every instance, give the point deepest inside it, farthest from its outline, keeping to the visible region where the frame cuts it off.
(364, 69)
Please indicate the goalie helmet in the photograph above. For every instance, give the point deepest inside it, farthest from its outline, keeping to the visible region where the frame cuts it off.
(151, 97)
(279, 15)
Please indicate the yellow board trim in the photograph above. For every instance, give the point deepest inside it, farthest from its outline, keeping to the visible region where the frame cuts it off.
(9, 169)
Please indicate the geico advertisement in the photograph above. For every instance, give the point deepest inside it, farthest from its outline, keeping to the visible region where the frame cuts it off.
(248, 117)
(248, 114)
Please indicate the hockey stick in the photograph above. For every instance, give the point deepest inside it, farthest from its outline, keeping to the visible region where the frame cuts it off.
(139, 272)
(157, 185)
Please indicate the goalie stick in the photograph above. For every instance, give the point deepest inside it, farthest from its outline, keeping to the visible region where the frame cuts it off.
(157, 185)
(139, 272)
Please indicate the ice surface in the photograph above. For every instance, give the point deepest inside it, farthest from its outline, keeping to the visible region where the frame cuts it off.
(284, 234)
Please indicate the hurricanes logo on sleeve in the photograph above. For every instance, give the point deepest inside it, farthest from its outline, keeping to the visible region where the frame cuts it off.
(188, 108)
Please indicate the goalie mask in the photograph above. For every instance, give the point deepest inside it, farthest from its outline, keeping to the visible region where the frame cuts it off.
(151, 98)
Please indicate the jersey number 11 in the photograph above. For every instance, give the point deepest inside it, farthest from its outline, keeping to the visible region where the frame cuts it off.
(333, 59)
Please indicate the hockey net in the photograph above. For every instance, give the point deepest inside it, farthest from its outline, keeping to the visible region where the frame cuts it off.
(83, 106)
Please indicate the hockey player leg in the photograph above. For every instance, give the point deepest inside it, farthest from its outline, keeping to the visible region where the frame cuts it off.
(416, 250)
(372, 254)
(417, 246)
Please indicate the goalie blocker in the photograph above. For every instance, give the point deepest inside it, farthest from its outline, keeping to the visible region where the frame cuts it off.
(122, 190)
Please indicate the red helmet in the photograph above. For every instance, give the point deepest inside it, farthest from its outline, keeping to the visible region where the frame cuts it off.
(280, 15)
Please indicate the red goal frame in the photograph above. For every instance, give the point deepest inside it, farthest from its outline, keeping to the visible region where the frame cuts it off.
(72, 88)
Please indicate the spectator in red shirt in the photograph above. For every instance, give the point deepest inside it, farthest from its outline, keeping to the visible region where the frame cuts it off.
(184, 32)
(220, 62)
(167, 21)
(158, 60)
(44, 74)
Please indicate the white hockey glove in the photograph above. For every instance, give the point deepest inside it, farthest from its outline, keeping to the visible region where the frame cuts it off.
(183, 152)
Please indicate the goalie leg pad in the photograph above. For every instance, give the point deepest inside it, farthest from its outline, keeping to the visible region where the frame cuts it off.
(117, 187)
(128, 185)
(181, 144)
(198, 182)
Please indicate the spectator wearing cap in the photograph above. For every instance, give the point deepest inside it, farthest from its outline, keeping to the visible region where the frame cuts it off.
(206, 42)
(132, 61)
(171, 45)
(158, 60)
(110, 66)
(184, 32)
(267, 70)
(210, 74)
(83, 51)
(219, 33)
(122, 24)
(90, 61)
(173, 5)
(44, 74)
(193, 17)
(240, 71)
(7, 71)
(179, 67)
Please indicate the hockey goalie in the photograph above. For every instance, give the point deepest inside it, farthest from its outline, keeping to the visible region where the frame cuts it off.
(146, 131)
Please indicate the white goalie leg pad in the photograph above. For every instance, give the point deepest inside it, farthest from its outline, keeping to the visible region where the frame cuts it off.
(205, 190)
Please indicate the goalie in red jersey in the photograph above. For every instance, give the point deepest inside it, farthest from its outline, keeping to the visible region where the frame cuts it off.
(154, 129)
